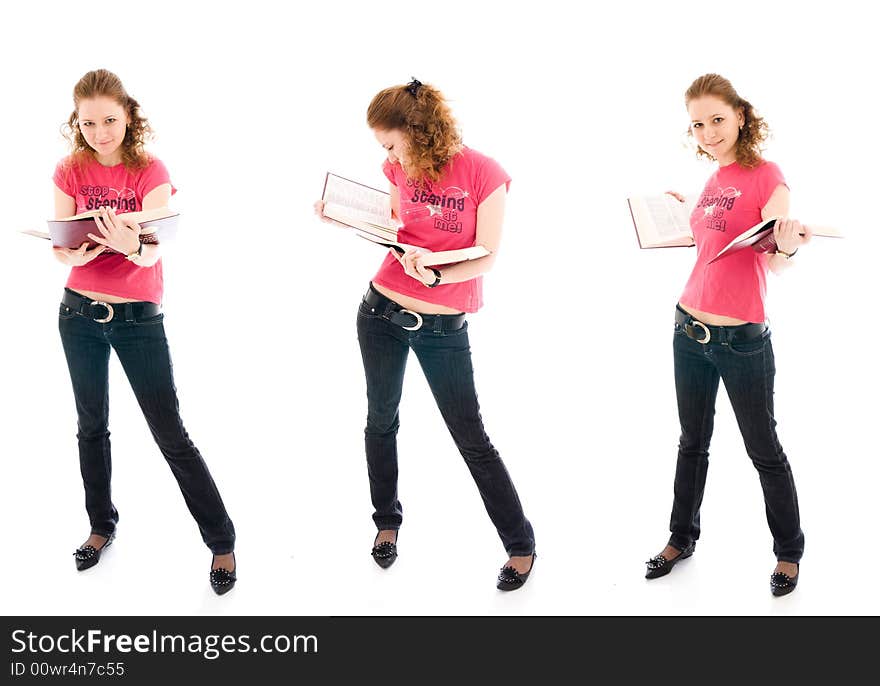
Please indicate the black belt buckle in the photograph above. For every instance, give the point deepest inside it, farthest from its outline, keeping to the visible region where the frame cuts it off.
(690, 330)
(106, 306)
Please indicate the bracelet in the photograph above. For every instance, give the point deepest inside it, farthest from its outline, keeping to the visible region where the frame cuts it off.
(133, 256)
(436, 278)
(788, 255)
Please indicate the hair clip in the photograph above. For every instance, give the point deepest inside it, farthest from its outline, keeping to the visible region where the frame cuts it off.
(413, 87)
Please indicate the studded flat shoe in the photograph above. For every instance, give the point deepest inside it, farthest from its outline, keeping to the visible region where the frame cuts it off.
(659, 566)
(783, 584)
(384, 553)
(510, 580)
(222, 580)
(88, 556)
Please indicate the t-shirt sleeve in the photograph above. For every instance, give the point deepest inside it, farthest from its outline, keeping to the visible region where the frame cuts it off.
(152, 177)
(769, 178)
(490, 176)
(388, 170)
(63, 178)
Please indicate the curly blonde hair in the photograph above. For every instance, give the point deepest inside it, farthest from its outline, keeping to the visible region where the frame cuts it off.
(105, 83)
(420, 113)
(754, 131)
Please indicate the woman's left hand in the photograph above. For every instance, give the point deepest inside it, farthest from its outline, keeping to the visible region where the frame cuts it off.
(412, 265)
(790, 234)
(118, 233)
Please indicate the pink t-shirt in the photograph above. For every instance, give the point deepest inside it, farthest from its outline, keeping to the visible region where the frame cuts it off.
(442, 215)
(730, 203)
(92, 186)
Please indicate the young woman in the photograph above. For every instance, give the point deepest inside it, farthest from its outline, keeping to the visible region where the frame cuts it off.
(720, 325)
(448, 196)
(113, 301)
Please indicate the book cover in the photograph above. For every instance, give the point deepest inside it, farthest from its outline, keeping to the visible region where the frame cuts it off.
(157, 225)
(760, 238)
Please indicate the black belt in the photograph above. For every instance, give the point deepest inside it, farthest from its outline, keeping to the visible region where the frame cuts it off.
(703, 333)
(102, 312)
(409, 320)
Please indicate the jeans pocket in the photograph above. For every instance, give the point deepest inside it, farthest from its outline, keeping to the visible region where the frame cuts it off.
(749, 348)
(64, 312)
(457, 332)
(150, 321)
(364, 310)
(679, 337)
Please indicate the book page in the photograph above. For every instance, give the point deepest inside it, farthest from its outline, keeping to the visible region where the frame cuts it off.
(661, 220)
(452, 256)
(354, 200)
(671, 217)
(430, 258)
(825, 230)
(140, 216)
(36, 234)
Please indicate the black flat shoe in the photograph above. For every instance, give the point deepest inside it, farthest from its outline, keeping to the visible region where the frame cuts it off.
(509, 579)
(88, 556)
(385, 553)
(222, 580)
(659, 566)
(783, 584)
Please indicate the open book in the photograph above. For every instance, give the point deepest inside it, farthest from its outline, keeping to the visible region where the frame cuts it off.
(661, 221)
(368, 211)
(158, 224)
(361, 207)
(760, 238)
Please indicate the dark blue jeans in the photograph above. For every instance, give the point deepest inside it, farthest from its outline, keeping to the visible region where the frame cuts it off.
(445, 358)
(143, 351)
(747, 370)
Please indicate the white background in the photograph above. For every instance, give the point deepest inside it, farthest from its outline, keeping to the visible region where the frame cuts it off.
(252, 103)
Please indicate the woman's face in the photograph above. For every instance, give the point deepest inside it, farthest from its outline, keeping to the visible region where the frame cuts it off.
(715, 127)
(102, 122)
(395, 144)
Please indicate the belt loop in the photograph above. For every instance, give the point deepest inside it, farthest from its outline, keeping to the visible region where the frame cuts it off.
(438, 324)
(385, 309)
(129, 312)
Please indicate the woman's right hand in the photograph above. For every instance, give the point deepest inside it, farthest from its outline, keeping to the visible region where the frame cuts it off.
(677, 196)
(79, 256)
(319, 211)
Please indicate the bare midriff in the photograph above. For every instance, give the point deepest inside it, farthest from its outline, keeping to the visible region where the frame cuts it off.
(414, 304)
(103, 297)
(711, 319)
